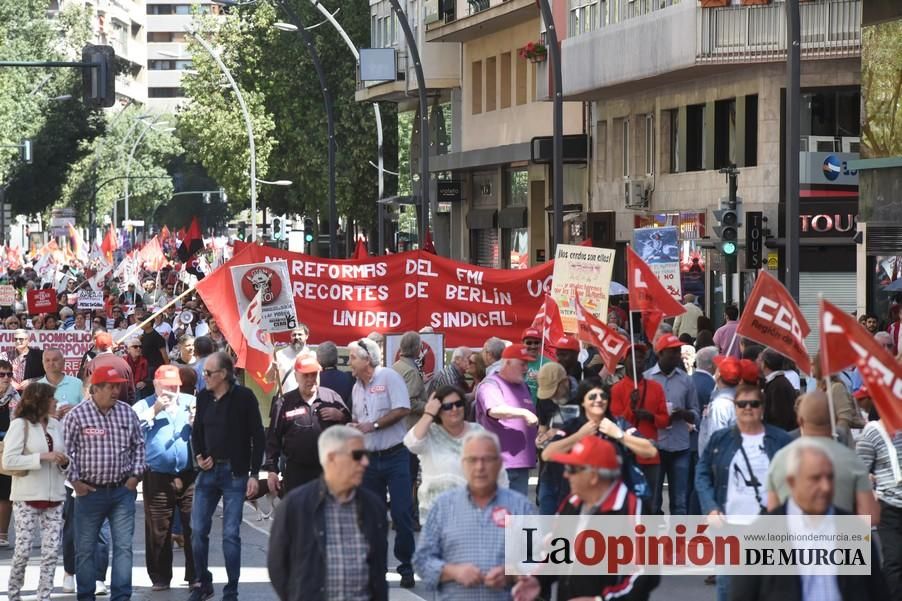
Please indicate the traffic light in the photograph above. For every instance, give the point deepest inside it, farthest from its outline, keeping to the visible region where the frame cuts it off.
(308, 230)
(242, 231)
(26, 152)
(727, 228)
(98, 85)
(279, 228)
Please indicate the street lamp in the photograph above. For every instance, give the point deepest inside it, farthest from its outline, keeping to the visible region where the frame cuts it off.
(278, 182)
(131, 156)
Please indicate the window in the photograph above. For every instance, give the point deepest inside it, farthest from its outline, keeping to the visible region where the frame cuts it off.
(476, 87)
(168, 65)
(505, 87)
(625, 139)
(673, 117)
(383, 29)
(516, 187)
(695, 137)
(751, 130)
(491, 75)
(165, 92)
(522, 83)
(725, 133)
(159, 36)
(583, 16)
(649, 144)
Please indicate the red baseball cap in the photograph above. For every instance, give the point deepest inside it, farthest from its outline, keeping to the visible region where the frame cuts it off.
(862, 393)
(667, 341)
(107, 375)
(306, 363)
(103, 340)
(517, 351)
(567, 343)
(593, 452)
(168, 375)
(531, 333)
(730, 369)
(750, 373)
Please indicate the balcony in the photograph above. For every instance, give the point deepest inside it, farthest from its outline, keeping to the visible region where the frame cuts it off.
(758, 33)
(471, 19)
(691, 40)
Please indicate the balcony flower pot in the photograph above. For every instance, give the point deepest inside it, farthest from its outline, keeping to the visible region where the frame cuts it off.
(535, 52)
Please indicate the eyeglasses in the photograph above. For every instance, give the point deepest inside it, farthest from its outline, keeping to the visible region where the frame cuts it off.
(210, 372)
(358, 454)
(21, 339)
(747, 404)
(575, 469)
(459, 404)
(6, 374)
(487, 459)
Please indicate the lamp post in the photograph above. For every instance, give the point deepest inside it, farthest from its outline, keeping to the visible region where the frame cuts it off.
(298, 27)
(793, 146)
(131, 156)
(247, 122)
(557, 153)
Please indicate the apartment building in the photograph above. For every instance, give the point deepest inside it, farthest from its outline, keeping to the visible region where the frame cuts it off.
(677, 90)
(167, 49)
(120, 24)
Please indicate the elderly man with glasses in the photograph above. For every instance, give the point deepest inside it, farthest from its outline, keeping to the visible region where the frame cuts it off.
(380, 404)
(228, 442)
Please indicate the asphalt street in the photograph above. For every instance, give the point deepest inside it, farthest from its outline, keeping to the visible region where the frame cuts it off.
(255, 584)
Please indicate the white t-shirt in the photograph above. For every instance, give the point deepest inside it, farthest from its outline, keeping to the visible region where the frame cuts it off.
(285, 360)
(741, 500)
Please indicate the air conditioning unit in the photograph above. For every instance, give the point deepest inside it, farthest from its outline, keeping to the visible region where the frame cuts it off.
(635, 194)
(851, 144)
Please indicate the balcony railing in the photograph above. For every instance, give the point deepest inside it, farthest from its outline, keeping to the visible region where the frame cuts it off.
(830, 28)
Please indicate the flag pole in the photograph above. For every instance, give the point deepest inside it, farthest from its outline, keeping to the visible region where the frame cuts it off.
(732, 342)
(633, 352)
(544, 331)
(827, 382)
(152, 317)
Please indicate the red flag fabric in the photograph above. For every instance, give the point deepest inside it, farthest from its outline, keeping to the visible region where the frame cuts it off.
(192, 243)
(110, 243)
(164, 233)
(773, 318)
(218, 295)
(360, 250)
(646, 291)
(591, 330)
(428, 245)
(151, 255)
(548, 321)
(844, 342)
(650, 322)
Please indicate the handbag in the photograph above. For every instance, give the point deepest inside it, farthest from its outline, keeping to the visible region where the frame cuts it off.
(8, 472)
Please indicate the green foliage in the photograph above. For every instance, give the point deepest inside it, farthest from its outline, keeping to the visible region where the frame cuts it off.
(881, 79)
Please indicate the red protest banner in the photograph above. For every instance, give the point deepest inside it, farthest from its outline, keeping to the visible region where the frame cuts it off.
(344, 300)
(844, 342)
(73, 344)
(42, 301)
(611, 345)
(773, 318)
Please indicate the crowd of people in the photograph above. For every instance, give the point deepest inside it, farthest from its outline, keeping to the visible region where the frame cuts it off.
(732, 428)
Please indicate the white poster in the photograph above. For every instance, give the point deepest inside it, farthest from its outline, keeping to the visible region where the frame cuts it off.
(279, 314)
(586, 271)
(90, 299)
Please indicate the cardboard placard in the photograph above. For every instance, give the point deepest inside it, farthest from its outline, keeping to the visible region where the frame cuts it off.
(90, 299)
(42, 301)
(7, 295)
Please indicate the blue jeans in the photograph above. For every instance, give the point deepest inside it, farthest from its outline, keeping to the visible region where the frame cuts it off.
(723, 587)
(102, 549)
(551, 487)
(675, 465)
(392, 471)
(209, 486)
(519, 480)
(118, 506)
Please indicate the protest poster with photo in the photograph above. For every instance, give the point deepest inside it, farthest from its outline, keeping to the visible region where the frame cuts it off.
(90, 299)
(73, 344)
(584, 271)
(660, 249)
(279, 314)
(7, 295)
(432, 353)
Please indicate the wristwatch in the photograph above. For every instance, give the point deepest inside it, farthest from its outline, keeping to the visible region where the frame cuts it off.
(375, 426)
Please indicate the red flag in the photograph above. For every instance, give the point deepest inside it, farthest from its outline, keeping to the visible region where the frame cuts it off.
(164, 233)
(548, 321)
(591, 330)
(151, 255)
(646, 291)
(218, 295)
(428, 246)
(360, 250)
(192, 243)
(773, 318)
(110, 243)
(844, 342)
(650, 322)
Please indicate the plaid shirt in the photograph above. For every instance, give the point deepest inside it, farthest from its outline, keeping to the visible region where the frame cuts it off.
(347, 572)
(104, 448)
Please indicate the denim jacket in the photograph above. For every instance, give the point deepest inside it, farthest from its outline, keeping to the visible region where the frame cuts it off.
(712, 474)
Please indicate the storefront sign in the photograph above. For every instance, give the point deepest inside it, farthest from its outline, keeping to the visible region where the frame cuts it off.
(827, 169)
(828, 218)
(754, 239)
(449, 190)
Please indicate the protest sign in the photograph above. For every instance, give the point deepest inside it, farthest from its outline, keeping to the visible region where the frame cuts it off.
(431, 360)
(583, 271)
(42, 301)
(272, 277)
(90, 299)
(72, 344)
(7, 295)
(659, 248)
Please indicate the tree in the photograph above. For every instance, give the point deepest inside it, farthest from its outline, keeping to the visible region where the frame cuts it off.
(881, 79)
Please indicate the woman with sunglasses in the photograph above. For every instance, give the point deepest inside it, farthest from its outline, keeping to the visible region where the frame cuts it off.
(437, 439)
(731, 475)
(597, 420)
(8, 400)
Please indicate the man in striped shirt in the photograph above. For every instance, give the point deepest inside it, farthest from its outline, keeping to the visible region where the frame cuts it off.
(106, 450)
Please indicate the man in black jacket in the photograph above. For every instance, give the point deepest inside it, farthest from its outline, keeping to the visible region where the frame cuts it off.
(301, 416)
(810, 476)
(330, 536)
(779, 394)
(228, 442)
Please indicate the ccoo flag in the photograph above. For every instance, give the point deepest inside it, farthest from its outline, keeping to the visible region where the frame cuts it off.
(648, 295)
(591, 330)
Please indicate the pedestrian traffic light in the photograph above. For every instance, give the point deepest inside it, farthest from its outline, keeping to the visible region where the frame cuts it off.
(727, 228)
(308, 230)
(98, 85)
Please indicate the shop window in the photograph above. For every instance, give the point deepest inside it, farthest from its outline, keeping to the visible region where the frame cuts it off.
(516, 187)
(516, 248)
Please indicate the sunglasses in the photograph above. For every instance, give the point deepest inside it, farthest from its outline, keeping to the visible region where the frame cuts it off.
(21, 339)
(575, 469)
(456, 404)
(747, 404)
(594, 396)
(358, 454)
(6, 374)
(134, 346)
